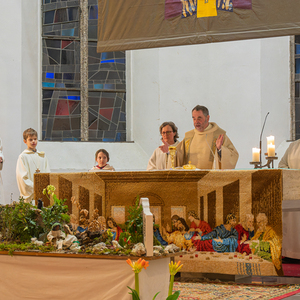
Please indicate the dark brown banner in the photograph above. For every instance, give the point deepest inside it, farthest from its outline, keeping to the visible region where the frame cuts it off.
(138, 24)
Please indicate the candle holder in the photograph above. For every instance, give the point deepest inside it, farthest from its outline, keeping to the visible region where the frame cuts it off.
(269, 164)
(172, 151)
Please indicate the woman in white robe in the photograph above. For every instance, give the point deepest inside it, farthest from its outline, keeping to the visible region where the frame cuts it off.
(160, 160)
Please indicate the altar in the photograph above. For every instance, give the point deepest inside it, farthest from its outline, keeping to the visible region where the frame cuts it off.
(212, 194)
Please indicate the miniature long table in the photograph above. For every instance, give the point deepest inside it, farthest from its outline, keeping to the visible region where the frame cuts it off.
(212, 194)
(30, 275)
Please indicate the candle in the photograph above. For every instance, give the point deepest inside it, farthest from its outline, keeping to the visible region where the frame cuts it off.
(270, 140)
(271, 150)
(255, 154)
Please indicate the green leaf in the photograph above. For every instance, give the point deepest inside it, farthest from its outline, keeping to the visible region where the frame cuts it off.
(174, 296)
(155, 295)
(134, 294)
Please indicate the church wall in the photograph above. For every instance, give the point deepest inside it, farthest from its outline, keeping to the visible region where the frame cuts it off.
(238, 81)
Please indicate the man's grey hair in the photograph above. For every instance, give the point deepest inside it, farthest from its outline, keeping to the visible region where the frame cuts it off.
(202, 108)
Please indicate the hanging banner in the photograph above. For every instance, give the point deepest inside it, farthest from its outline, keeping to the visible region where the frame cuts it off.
(138, 24)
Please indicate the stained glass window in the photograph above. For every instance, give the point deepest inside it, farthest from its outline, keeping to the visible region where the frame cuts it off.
(61, 103)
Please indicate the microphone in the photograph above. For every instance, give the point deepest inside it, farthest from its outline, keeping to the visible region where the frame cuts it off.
(212, 152)
(260, 143)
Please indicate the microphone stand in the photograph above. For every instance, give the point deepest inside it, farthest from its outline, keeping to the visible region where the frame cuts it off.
(270, 159)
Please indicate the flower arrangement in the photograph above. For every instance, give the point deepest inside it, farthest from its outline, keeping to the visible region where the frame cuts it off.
(138, 266)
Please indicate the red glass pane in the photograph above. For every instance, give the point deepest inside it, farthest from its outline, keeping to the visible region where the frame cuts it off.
(65, 44)
(106, 113)
(72, 105)
(62, 108)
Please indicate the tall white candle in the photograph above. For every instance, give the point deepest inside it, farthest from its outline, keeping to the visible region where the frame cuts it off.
(255, 154)
(271, 150)
(270, 140)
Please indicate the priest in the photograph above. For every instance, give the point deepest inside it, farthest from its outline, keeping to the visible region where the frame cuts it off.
(206, 146)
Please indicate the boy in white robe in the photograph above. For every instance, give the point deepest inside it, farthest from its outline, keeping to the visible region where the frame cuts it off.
(1, 183)
(30, 161)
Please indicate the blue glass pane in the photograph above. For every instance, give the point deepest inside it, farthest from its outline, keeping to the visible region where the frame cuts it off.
(98, 86)
(50, 75)
(49, 17)
(68, 32)
(60, 85)
(74, 97)
(120, 60)
(107, 61)
(93, 12)
(48, 84)
(297, 49)
(297, 66)
(108, 140)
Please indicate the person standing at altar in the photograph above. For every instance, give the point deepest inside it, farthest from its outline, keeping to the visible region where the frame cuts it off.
(30, 161)
(290, 159)
(102, 159)
(160, 160)
(1, 182)
(207, 146)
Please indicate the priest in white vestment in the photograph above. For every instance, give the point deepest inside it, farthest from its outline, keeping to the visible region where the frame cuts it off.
(160, 160)
(207, 146)
(291, 157)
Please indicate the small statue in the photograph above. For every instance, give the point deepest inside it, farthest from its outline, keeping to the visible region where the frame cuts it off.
(56, 235)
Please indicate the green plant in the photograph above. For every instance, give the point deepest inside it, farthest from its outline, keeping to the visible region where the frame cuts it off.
(56, 213)
(19, 222)
(124, 239)
(134, 222)
(137, 268)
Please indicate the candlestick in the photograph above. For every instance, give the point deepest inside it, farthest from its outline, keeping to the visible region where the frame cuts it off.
(271, 150)
(255, 154)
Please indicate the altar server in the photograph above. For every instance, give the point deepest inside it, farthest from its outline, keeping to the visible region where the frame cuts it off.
(30, 161)
(1, 183)
(102, 158)
(160, 160)
(291, 157)
(207, 146)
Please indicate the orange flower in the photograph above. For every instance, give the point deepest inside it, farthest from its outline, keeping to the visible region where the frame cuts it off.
(138, 265)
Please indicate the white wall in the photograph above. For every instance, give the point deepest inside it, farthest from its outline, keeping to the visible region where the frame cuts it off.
(239, 82)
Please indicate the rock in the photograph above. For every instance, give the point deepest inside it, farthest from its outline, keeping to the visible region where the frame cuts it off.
(172, 248)
(100, 247)
(138, 249)
(116, 245)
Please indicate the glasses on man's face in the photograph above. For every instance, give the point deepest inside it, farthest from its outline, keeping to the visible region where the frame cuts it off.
(166, 132)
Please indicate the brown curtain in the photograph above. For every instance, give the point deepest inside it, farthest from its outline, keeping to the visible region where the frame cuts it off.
(139, 24)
